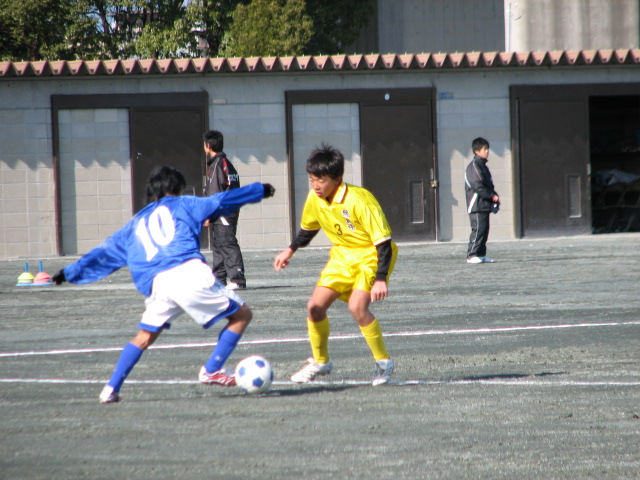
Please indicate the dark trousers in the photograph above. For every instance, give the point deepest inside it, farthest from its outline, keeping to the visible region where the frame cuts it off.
(479, 234)
(227, 257)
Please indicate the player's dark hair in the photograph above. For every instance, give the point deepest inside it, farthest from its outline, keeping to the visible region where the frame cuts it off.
(478, 143)
(163, 181)
(326, 161)
(214, 139)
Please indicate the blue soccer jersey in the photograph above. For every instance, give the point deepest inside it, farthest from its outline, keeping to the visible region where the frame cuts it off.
(162, 235)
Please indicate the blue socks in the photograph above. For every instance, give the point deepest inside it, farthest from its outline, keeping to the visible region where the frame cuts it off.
(128, 359)
(131, 354)
(226, 344)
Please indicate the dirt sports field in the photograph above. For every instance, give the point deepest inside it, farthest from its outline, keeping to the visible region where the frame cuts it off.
(528, 368)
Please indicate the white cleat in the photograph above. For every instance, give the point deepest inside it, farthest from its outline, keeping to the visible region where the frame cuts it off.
(311, 370)
(384, 370)
(108, 395)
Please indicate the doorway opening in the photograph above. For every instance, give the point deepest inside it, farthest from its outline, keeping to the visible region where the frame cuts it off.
(614, 133)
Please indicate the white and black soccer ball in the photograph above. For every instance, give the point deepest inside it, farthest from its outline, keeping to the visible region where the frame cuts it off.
(254, 374)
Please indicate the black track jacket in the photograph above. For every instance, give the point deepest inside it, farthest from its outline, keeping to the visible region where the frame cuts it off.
(478, 186)
(222, 176)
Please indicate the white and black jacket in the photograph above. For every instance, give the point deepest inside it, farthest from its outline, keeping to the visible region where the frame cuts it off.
(479, 186)
(222, 176)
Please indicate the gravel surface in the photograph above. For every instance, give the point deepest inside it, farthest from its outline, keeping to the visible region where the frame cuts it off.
(528, 368)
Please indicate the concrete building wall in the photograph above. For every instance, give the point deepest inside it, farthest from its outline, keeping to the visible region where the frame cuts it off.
(27, 224)
(315, 124)
(544, 25)
(440, 26)
(250, 110)
(505, 25)
(95, 175)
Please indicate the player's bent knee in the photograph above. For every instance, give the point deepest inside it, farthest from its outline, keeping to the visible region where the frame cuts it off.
(358, 307)
(144, 339)
(242, 317)
(316, 312)
(358, 311)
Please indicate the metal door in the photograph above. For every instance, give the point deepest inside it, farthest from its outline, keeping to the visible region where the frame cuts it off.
(398, 165)
(166, 136)
(553, 161)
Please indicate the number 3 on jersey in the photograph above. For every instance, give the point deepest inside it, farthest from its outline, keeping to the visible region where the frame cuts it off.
(159, 230)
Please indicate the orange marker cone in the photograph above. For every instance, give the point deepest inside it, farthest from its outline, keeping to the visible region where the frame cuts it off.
(41, 278)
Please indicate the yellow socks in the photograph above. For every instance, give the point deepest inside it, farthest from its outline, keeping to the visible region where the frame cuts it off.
(319, 339)
(373, 335)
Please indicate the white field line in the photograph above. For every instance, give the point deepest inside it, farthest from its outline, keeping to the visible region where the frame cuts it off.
(400, 383)
(463, 331)
(471, 331)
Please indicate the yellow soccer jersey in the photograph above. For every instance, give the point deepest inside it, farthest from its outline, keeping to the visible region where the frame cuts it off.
(353, 219)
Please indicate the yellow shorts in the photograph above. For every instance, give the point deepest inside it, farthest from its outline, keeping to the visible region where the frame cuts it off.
(353, 268)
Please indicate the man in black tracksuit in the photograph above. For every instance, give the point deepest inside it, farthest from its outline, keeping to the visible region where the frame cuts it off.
(222, 176)
(482, 199)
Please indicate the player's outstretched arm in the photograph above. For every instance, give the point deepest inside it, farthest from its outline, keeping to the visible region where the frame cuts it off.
(230, 201)
(282, 259)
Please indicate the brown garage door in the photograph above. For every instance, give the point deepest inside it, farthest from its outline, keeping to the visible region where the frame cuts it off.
(552, 160)
(398, 167)
(166, 136)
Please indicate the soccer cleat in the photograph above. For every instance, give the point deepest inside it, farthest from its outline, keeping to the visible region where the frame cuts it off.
(108, 395)
(384, 370)
(219, 377)
(235, 286)
(474, 260)
(311, 370)
(487, 260)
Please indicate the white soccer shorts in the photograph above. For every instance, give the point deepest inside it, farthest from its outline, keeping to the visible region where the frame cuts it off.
(189, 288)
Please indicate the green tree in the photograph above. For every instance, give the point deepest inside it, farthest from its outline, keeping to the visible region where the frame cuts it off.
(268, 28)
(41, 29)
(193, 28)
(122, 29)
(209, 20)
(337, 24)
(141, 28)
(295, 27)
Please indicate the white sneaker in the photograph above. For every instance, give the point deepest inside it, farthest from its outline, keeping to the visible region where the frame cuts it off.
(311, 370)
(474, 260)
(384, 370)
(235, 286)
(108, 395)
(487, 260)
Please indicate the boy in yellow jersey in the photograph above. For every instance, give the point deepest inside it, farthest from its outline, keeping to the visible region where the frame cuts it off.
(361, 260)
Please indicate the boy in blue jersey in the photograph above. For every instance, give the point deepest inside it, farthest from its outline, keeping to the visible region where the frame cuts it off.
(161, 247)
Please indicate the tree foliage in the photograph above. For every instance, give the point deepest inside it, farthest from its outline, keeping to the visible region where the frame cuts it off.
(122, 29)
(42, 29)
(269, 28)
(337, 23)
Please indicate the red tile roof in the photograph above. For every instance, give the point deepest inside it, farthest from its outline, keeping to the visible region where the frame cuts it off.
(324, 63)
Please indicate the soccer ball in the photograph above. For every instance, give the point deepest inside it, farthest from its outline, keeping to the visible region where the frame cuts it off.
(254, 374)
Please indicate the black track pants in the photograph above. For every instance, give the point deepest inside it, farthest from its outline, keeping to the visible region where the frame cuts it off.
(479, 234)
(227, 257)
